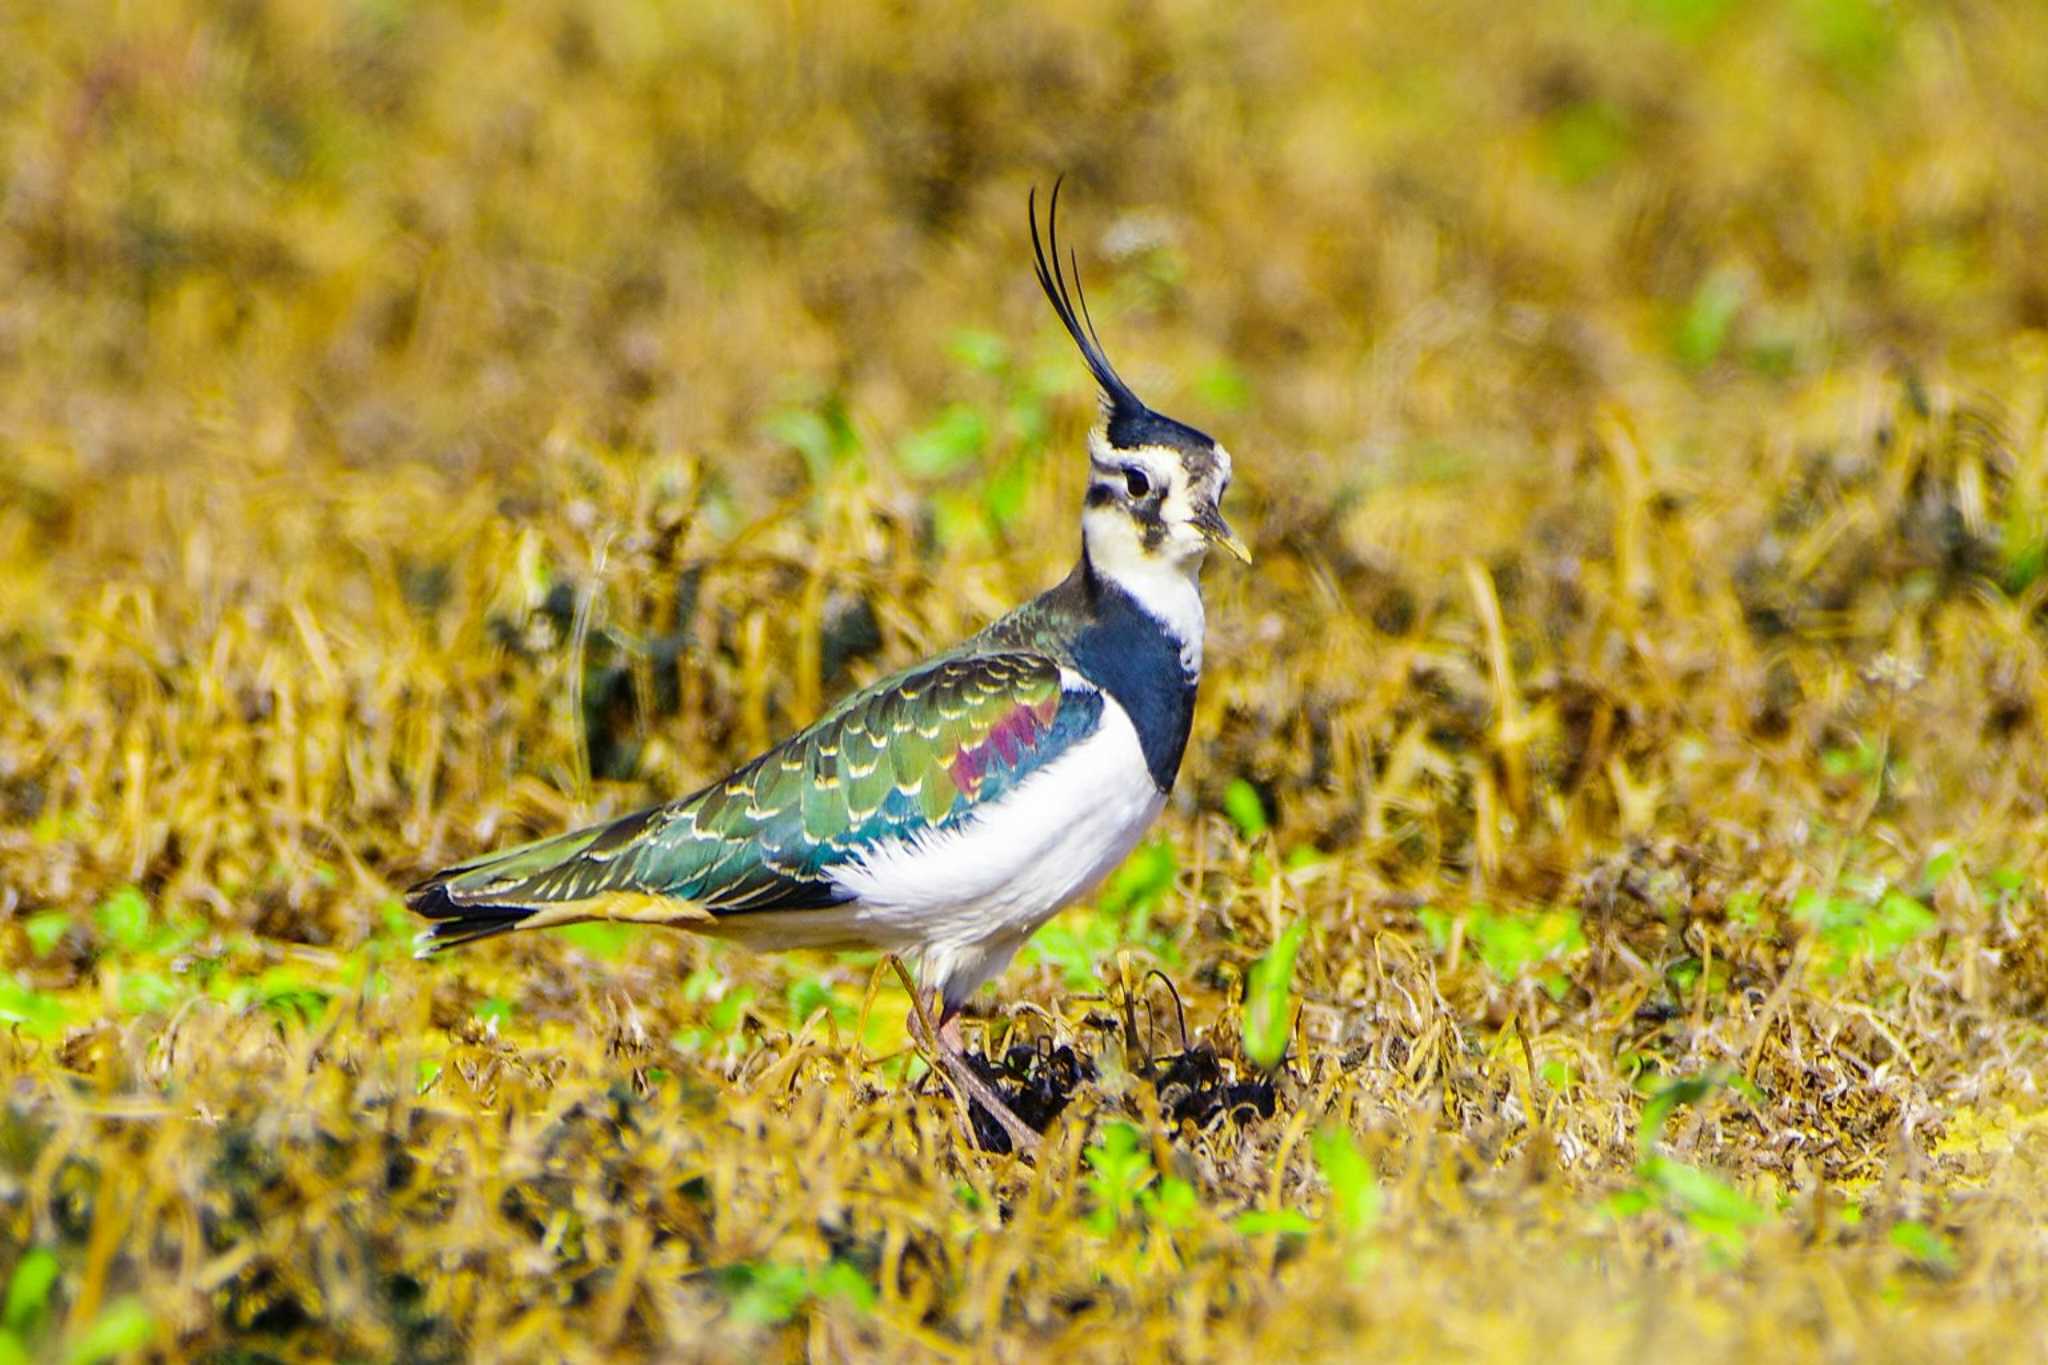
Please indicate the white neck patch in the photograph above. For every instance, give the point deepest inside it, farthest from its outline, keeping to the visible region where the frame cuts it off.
(1169, 590)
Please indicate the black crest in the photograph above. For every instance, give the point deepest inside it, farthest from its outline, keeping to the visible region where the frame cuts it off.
(1131, 423)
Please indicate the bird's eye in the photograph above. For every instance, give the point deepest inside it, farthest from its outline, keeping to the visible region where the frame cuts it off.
(1136, 482)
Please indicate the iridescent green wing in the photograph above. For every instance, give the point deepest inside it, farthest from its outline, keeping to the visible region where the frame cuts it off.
(917, 754)
(925, 751)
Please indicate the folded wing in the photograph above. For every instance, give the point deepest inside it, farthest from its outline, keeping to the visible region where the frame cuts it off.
(913, 756)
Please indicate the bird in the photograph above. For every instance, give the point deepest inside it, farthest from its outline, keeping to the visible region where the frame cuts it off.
(946, 812)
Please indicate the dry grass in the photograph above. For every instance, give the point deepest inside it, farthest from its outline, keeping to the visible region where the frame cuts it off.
(420, 427)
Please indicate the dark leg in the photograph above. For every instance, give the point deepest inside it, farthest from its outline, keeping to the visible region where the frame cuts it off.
(968, 1088)
(1023, 1141)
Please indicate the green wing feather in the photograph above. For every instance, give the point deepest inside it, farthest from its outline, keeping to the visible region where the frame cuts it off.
(915, 754)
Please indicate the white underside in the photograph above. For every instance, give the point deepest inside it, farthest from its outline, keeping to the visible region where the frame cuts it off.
(964, 901)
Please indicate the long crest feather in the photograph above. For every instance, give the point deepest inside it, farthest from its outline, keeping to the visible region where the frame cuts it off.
(1116, 395)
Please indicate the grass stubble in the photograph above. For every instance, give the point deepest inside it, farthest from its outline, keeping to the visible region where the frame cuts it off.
(424, 428)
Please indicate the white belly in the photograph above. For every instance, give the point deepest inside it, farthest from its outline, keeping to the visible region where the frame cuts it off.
(968, 898)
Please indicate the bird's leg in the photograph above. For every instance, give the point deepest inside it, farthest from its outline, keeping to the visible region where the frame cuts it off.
(969, 1089)
(951, 1053)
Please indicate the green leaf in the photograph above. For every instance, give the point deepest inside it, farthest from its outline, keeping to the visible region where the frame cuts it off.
(124, 920)
(1703, 1192)
(1944, 861)
(1242, 804)
(1856, 38)
(1268, 999)
(396, 922)
(1924, 1245)
(1687, 1090)
(146, 992)
(731, 1009)
(767, 1293)
(958, 518)
(770, 1292)
(124, 1327)
(979, 350)
(28, 1293)
(1709, 1203)
(1079, 943)
(1119, 1167)
(1171, 1204)
(1864, 760)
(285, 993)
(1030, 422)
(1898, 920)
(1143, 881)
(1630, 1202)
(1006, 493)
(39, 1014)
(1224, 386)
(1688, 20)
(949, 444)
(811, 994)
(1510, 943)
(1703, 328)
(1354, 1194)
(843, 1282)
(1585, 140)
(1853, 928)
(599, 938)
(46, 931)
(1285, 1222)
(824, 439)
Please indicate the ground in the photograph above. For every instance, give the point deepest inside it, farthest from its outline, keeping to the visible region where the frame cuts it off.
(1601, 913)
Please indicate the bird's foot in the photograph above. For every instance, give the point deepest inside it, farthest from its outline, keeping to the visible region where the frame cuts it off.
(944, 1047)
(975, 1091)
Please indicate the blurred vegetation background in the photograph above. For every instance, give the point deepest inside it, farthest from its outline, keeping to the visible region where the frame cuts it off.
(424, 426)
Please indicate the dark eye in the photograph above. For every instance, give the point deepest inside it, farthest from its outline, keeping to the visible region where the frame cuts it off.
(1136, 482)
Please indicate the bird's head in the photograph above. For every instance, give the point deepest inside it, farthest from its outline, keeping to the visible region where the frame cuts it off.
(1154, 485)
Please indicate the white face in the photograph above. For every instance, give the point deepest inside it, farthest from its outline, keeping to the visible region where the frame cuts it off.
(1152, 507)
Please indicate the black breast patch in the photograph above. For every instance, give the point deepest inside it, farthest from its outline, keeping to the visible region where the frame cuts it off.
(1127, 653)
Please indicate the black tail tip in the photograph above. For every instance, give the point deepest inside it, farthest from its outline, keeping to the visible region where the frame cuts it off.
(454, 923)
(431, 900)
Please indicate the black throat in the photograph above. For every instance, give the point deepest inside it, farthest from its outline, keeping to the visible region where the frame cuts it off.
(1128, 653)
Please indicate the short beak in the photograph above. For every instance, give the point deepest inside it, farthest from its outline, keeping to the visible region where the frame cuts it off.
(1217, 531)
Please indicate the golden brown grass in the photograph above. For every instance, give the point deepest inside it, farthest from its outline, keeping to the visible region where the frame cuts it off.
(423, 426)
